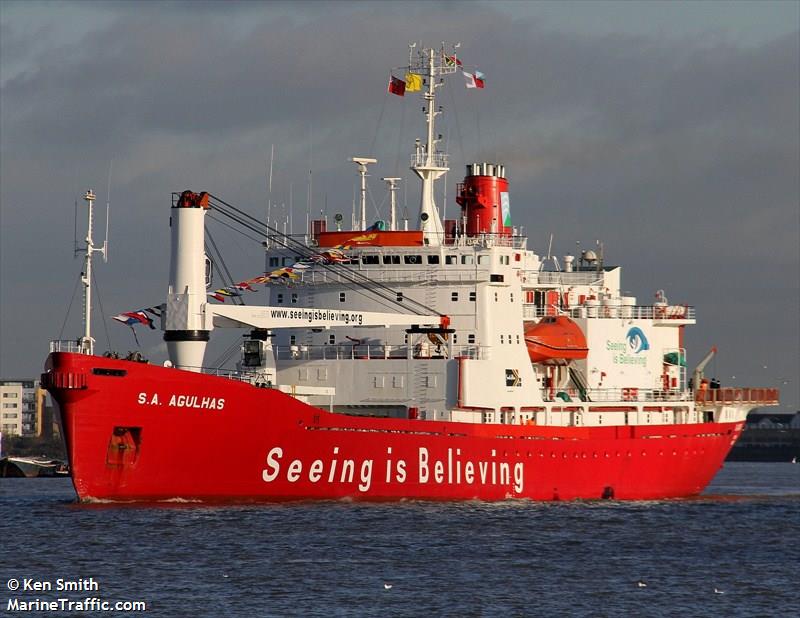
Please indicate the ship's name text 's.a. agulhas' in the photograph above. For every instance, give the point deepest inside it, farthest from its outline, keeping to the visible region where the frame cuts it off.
(452, 470)
(182, 401)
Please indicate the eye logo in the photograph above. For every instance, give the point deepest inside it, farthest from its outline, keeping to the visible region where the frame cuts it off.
(637, 342)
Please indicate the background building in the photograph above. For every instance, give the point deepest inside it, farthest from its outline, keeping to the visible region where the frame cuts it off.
(22, 405)
(11, 408)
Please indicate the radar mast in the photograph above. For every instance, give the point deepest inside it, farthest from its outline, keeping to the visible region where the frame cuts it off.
(428, 162)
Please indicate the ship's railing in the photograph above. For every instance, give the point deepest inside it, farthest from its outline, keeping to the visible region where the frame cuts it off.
(437, 159)
(762, 396)
(564, 277)
(488, 240)
(66, 345)
(376, 352)
(641, 312)
(407, 275)
(232, 374)
(631, 394)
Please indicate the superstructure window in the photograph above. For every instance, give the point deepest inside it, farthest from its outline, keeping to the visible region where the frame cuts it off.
(399, 297)
(279, 298)
(294, 297)
(331, 339)
(472, 296)
(273, 261)
(451, 259)
(287, 261)
(471, 338)
(467, 259)
(342, 297)
(433, 259)
(370, 259)
(412, 259)
(454, 296)
(391, 259)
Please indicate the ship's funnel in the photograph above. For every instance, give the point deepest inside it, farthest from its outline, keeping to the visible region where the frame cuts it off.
(483, 197)
(186, 328)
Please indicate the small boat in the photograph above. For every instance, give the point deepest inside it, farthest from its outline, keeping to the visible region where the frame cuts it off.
(31, 467)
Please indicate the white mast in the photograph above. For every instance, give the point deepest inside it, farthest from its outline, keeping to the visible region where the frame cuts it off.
(87, 342)
(428, 162)
(391, 182)
(362, 163)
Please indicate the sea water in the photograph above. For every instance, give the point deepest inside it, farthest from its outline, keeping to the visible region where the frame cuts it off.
(735, 551)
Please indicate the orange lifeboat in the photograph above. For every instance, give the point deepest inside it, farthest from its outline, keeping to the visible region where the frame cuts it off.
(555, 340)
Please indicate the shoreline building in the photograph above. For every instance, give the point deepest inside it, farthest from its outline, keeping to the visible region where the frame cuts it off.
(24, 409)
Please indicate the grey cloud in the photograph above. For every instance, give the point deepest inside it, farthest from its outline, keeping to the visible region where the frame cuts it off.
(680, 152)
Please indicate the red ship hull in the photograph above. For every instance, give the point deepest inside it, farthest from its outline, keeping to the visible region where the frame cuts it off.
(142, 432)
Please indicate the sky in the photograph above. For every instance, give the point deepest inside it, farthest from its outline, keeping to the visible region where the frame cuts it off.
(668, 130)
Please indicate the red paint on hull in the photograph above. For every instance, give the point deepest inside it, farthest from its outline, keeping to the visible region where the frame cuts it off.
(126, 442)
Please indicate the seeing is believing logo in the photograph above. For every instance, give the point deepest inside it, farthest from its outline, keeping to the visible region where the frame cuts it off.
(637, 342)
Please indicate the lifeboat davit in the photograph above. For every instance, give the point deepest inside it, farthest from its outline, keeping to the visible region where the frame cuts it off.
(555, 340)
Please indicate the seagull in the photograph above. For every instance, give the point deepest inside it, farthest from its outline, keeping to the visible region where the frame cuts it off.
(641, 584)
(387, 586)
(718, 591)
